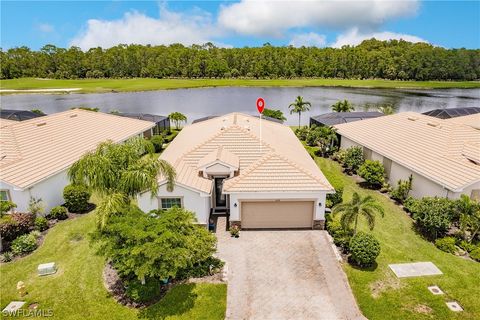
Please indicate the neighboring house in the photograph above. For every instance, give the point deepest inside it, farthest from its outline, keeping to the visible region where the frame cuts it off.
(162, 123)
(333, 118)
(35, 154)
(18, 115)
(259, 175)
(452, 112)
(442, 155)
(212, 117)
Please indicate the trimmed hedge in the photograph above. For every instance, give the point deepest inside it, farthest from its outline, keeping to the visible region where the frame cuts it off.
(364, 249)
(58, 212)
(76, 198)
(41, 224)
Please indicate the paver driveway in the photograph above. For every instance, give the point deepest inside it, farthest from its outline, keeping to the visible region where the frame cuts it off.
(285, 275)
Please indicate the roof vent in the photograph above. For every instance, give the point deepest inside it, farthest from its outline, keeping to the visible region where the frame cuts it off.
(41, 124)
(74, 116)
(412, 118)
(433, 124)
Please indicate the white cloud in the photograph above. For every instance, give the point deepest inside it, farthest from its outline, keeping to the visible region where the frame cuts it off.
(355, 37)
(137, 28)
(45, 27)
(310, 39)
(272, 18)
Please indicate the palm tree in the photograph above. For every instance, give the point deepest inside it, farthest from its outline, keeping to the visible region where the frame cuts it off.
(350, 211)
(299, 106)
(117, 173)
(343, 106)
(325, 138)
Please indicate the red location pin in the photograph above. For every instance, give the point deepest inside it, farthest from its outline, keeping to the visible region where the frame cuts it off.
(260, 105)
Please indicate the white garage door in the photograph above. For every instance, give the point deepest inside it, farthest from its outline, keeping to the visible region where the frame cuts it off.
(276, 214)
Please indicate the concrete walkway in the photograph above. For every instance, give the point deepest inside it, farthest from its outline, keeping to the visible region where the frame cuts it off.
(284, 275)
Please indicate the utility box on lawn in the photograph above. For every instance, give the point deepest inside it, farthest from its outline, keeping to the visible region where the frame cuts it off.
(47, 268)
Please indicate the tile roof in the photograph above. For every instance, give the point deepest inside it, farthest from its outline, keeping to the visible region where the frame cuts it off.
(472, 120)
(35, 149)
(431, 147)
(333, 118)
(240, 136)
(220, 154)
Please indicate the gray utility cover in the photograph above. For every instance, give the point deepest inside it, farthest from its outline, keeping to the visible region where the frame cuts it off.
(416, 269)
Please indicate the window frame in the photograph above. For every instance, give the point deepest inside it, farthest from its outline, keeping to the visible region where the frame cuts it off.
(9, 197)
(162, 198)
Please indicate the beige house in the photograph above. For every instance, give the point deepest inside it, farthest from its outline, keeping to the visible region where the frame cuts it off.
(255, 171)
(442, 155)
(35, 154)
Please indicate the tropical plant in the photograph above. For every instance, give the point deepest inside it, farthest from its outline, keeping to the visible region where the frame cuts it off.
(159, 247)
(468, 211)
(364, 249)
(342, 106)
(400, 193)
(41, 223)
(275, 114)
(334, 198)
(387, 109)
(433, 215)
(117, 173)
(353, 159)
(157, 141)
(36, 206)
(299, 106)
(373, 172)
(177, 118)
(475, 254)
(58, 212)
(24, 244)
(339, 155)
(323, 137)
(446, 244)
(350, 211)
(6, 256)
(6, 206)
(302, 133)
(341, 236)
(76, 198)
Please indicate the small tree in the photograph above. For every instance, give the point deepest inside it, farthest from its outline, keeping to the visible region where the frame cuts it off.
(468, 211)
(76, 198)
(373, 172)
(177, 118)
(364, 249)
(400, 193)
(299, 106)
(154, 247)
(433, 216)
(353, 159)
(350, 211)
(343, 106)
(275, 114)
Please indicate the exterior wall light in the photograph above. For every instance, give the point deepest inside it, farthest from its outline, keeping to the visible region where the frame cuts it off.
(235, 204)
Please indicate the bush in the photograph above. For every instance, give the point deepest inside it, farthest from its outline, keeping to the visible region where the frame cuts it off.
(433, 215)
(400, 193)
(6, 256)
(139, 292)
(58, 212)
(205, 268)
(157, 141)
(302, 133)
(373, 172)
(475, 254)
(410, 204)
(6, 206)
(36, 206)
(446, 244)
(341, 237)
(24, 244)
(465, 245)
(339, 155)
(353, 159)
(15, 225)
(76, 198)
(334, 198)
(364, 249)
(41, 224)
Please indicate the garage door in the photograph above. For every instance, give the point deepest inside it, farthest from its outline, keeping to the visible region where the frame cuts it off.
(276, 214)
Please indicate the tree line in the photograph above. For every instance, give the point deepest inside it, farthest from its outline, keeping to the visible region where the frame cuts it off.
(395, 60)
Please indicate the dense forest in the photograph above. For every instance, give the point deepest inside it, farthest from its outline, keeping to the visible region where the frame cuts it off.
(395, 60)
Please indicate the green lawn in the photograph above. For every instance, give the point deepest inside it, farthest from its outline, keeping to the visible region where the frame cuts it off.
(142, 84)
(379, 293)
(76, 291)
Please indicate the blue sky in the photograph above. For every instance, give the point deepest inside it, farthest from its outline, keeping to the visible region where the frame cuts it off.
(450, 24)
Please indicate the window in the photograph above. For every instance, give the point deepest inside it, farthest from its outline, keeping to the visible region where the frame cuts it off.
(167, 203)
(4, 195)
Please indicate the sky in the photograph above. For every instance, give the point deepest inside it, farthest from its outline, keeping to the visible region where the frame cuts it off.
(333, 23)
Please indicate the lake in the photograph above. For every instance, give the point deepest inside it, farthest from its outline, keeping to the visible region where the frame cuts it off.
(197, 103)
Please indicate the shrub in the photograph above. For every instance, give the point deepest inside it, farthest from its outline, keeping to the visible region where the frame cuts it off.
(139, 292)
(373, 172)
(58, 212)
(41, 224)
(400, 193)
(446, 244)
(465, 245)
(6, 206)
(364, 249)
(353, 159)
(410, 204)
(334, 198)
(204, 268)
(36, 206)
(6, 256)
(76, 198)
(24, 244)
(339, 155)
(157, 141)
(341, 237)
(302, 133)
(433, 215)
(15, 225)
(475, 254)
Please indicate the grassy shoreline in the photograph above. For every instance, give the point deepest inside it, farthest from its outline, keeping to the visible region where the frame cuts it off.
(147, 84)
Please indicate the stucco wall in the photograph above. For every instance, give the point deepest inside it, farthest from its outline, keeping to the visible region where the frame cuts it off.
(49, 190)
(318, 197)
(191, 200)
(346, 143)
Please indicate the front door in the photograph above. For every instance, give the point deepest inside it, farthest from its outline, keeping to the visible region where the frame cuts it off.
(220, 198)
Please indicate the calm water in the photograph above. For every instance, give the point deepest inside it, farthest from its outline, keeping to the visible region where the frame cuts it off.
(197, 103)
